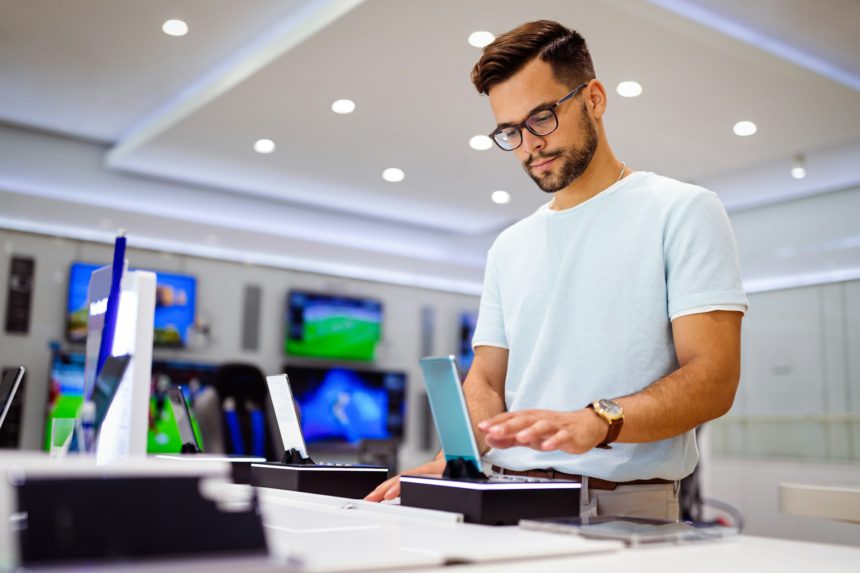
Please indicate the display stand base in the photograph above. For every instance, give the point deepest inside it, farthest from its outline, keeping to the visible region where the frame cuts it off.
(298, 473)
(490, 501)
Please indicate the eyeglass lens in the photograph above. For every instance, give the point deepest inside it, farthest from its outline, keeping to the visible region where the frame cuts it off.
(541, 123)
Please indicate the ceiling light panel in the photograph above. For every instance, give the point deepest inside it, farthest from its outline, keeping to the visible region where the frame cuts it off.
(481, 143)
(745, 128)
(175, 28)
(480, 39)
(343, 106)
(393, 175)
(264, 146)
(629, 89)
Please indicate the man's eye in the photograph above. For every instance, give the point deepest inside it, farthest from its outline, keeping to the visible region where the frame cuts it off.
(540, 117)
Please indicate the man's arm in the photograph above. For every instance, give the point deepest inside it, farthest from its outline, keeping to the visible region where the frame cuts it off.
(707, 346)
(484, 390)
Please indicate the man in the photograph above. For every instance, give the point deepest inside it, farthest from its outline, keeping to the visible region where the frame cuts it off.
(609, 324)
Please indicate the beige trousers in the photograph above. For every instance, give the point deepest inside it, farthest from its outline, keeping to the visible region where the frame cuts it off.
(656, 501)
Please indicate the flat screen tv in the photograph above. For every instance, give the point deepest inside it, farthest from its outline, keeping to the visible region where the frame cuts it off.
(468, 320)
(341, 406)
(66, 393)
(175, 304)
(328, 326)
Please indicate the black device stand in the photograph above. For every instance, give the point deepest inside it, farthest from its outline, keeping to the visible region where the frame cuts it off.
(490, 501)
(189, 448)
(299, 473)
(458, 468)
(295, 457)
(97, 519)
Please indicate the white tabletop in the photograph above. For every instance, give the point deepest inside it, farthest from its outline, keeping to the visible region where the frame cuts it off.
(741, 554)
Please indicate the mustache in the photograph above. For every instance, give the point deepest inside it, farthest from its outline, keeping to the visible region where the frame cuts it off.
(542, 155)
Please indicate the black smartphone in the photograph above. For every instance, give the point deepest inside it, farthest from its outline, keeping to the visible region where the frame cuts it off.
(182, 415)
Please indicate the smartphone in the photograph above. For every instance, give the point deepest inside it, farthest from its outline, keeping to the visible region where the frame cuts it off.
(450, 414)
(182, 415)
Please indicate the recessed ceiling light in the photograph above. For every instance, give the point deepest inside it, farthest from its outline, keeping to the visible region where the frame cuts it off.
(744, 128)
(343, 106)
(175, 28)
(393, 175)
(480, 39)
(501, 197)
(629, 89)
(481, 142)
(264, 146)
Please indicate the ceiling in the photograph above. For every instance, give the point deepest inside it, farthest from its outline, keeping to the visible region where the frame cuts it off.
(151, 128)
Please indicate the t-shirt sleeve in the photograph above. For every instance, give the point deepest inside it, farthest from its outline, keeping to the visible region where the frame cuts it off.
(490, 328)
(701, 256)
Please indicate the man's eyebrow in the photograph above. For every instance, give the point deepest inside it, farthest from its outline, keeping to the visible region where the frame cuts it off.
(532, 111)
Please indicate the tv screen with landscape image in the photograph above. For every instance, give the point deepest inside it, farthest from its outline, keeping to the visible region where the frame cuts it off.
(344, 406)
(329, 326)
(66, 394)
(175, 304)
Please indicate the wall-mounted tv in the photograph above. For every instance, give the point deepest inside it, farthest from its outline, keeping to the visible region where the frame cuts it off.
(343, 406)
(468, 320)
(329, 326)
(66, 387)
(175, 304)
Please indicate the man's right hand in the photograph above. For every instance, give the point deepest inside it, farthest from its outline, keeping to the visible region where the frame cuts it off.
(390, 488)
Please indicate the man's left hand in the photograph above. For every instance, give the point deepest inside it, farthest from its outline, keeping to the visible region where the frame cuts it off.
(545, 430)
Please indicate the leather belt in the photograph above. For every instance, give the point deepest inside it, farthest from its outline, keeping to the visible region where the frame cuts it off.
(593, 483)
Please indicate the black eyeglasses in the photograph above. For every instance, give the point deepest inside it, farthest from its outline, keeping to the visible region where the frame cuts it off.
(540, 123)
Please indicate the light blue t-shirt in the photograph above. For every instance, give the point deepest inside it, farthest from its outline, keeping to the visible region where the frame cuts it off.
(582, 298)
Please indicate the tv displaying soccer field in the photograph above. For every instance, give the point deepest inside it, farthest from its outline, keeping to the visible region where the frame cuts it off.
(175, 303)
(327, 326)
(344, 406)
(66, 393)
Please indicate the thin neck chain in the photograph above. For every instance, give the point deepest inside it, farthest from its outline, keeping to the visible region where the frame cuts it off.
(620, 177)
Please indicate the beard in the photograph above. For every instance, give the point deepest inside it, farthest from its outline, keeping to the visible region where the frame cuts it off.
(574, 159)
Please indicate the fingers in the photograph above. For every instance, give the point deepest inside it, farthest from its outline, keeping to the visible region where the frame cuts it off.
(500, 443)
(389, 489)
(511, 424)
(499, 419)
(535, 434)
(557, 441)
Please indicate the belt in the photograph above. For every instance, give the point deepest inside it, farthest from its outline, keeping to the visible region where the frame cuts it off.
(593, 483)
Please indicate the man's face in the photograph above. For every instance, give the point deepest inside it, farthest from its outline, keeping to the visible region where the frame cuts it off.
(554, 161)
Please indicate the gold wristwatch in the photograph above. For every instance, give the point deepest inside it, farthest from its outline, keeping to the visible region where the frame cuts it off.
(614, 416)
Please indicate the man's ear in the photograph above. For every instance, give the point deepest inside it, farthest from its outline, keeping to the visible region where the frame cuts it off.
(595, 95)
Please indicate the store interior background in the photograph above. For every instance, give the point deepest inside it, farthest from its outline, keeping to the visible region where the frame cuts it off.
(106, 122)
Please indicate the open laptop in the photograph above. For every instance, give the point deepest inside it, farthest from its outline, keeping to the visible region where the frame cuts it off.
(8, 388)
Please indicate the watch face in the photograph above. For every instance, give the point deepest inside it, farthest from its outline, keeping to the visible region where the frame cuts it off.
(612, 409)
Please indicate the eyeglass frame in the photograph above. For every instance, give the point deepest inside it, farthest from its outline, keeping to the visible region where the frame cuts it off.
(519, 126)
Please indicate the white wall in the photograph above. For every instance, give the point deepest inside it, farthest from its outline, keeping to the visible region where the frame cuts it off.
(220, 288)
(796, 417)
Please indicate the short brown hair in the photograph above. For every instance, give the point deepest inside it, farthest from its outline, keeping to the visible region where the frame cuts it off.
(562, 48)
